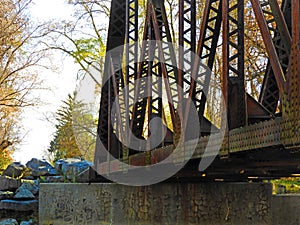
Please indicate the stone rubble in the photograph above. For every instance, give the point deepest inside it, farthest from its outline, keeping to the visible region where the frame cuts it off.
(23, 194)
(39, 167)
(26, 222)
(8, 222)
(72, 167)
(14, 170)
(15, 222)
(6, 195)
(19, 184)
(30, 185)
(9, 184)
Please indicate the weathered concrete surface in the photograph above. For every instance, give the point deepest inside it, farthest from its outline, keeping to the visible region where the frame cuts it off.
(286, 209)
(201, 203)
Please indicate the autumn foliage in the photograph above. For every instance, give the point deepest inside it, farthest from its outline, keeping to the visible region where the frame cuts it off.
(19, 53)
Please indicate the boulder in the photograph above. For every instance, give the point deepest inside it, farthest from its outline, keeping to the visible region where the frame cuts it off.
(6, 194)
(9, 222)
(31, 185)
(86, 176)
(28, 177)
(8, 183)
(52, 172)
(14, 170)
(55, 179)
(59, 163)
(30, 222)
(39, 167)
(21, 206)
(72, 167)
(23, 193)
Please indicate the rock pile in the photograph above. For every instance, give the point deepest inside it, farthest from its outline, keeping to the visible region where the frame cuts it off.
(19, 185)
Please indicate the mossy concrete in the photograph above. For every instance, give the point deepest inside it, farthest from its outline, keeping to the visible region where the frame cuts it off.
(166, 203)
(286, 209)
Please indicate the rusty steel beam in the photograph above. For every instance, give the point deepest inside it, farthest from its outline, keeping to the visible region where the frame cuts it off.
(279, 24)
(270, 48)
(291, 104)
(269, 94)
(206, 50)
(157, 61)
(116, 36)
(186, 39)
(296, 22)
(203, 63)
(166, 54)
(118, 96)
(145, 63)
(132, 36)
(156, 34)
(242, 141)
(186, 54)
(233, 62)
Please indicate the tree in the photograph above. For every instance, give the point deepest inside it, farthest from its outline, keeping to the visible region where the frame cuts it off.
(5, 154)
(83, 37)
(74, 135)
(19, 54)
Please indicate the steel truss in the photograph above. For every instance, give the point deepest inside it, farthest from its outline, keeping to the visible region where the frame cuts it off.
(159, 70)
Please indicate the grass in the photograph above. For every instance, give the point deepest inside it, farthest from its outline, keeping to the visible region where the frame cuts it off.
(286, 185)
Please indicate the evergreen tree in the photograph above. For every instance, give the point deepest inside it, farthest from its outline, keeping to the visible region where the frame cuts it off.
(74, 135)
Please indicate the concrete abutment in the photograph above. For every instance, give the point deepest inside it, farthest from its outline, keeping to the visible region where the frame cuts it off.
(166, 203)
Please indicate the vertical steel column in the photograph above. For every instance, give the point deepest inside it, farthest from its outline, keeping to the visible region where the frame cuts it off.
(148, 82)
(118, 114)
(167, 58)
(233, 62)
(140, 89)
(187, 39)
(206, 50)
(132, 29)
(106, 137)
(291, 104)
(165, 48)
(156, 32)
(132, 35)
(186, 55)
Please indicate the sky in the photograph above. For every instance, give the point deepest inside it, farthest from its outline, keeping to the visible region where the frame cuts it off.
(38, 131)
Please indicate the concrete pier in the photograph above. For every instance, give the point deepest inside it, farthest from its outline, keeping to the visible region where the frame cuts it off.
(167, 203)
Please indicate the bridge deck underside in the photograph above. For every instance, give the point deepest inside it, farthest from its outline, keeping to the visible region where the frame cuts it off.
(258, 151)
